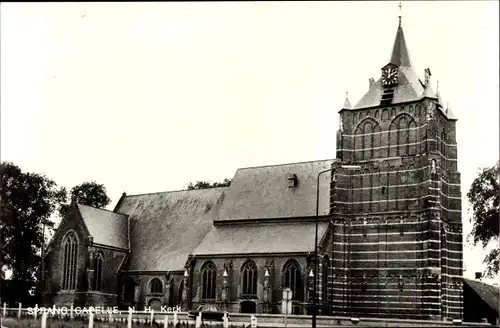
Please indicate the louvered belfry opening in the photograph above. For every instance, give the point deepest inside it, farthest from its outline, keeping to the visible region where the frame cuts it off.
(387, 96)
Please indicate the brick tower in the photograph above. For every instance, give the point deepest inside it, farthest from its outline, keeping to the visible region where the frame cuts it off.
(396, 201)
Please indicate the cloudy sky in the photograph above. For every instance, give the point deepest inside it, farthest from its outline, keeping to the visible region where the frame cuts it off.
(146, 97)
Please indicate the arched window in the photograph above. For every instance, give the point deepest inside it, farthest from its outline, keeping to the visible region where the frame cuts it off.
(402, 136)
(393, 140)
(368, 140)
(156, 286)
(359, 144)
(98, 260)
(128, 289)
(412, 138)
(70, 249)
(377, 142)
(326, 265)
(249, 274)
(208, 277)
(292, 278)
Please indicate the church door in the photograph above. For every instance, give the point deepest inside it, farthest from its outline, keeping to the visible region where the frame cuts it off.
(248, 307)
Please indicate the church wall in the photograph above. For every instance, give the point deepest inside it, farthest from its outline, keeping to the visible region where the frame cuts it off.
(71, 222)
(144, 297)
(108, 293)
(234, 265)
(390, 215)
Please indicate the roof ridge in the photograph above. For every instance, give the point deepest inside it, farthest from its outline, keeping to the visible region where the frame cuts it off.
(272, 165)
(172, 191)
(102, 209)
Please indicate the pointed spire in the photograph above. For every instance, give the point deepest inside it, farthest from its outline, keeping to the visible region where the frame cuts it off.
(347, 103)
(400, 55)
(428, 92)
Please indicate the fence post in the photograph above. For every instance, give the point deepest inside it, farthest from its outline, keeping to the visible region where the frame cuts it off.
(19, 311)
(71, 312)
(165, 322)
(226, 321)
(4, 309)
(91, 319)
(129, 318)
(44, 319)
(175, 319)
(35, 311)
(197, 322)
(152, 316)
(110, 316)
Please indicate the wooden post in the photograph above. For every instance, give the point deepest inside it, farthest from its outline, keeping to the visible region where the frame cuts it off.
(129, 318)
(4, 309)
(175, 319)
(44, 319)
(152, 317)
(165, 322)
(91, 319)
(35, 312)
(198, 320)
(19, 311)
(226, 321)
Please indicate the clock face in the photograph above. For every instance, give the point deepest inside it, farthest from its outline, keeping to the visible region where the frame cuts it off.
(389, 76)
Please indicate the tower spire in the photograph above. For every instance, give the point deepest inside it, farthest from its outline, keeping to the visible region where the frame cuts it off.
(400, 55)
(347, 103)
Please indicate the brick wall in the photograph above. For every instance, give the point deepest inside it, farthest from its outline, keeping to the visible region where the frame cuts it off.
(397, 220)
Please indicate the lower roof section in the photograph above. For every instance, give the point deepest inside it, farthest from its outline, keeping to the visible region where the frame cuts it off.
(261, 238)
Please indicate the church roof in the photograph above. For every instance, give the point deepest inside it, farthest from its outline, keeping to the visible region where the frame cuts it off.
(490, 294)
(106, 227)
(263, 192)
(166, 227)
(261, 238)
(409, 87)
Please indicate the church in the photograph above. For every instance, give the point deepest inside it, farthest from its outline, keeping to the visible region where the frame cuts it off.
(385, 215)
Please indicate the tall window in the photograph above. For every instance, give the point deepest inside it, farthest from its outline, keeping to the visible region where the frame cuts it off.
(208, 277)
(249, 274)
(293, 279)
(156, 286)
(70, 249)
(326, 265)
(129, 289)
(98, 259)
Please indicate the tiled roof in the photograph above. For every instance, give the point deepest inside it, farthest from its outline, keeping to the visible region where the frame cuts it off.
(409, 88)
(106, 227)
(263, 192)
(166, 227)
(261, 238)
(490, 294)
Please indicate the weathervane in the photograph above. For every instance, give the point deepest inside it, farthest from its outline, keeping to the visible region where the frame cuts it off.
(400, 7)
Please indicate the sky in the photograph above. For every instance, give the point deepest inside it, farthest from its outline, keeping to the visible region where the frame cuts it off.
(147, 97)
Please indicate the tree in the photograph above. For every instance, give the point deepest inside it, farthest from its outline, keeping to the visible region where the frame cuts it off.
(207, 184)
(485, 199)
(26, 202)
(88, 193)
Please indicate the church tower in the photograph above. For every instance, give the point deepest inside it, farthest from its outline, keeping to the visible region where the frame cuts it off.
(396, 200)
